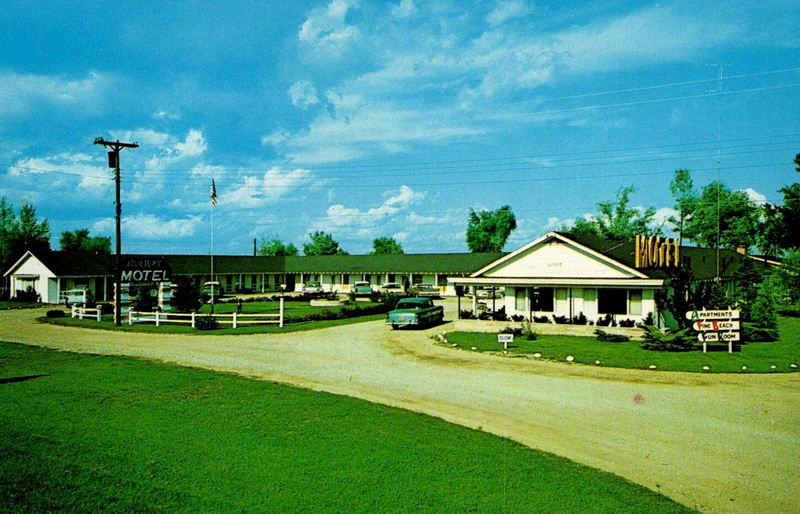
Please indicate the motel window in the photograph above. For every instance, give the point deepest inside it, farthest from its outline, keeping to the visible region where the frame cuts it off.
(613, 301)
(441, 280)
(635, 302)
(345, 279)
(520, 299)
(367, 278)
(391, 277)
(543, 299)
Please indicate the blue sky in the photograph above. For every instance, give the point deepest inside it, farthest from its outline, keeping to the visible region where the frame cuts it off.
(368, 119)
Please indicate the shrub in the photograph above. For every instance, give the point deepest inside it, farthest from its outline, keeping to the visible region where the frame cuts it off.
(206, 323)
(607, 321)
(754, 333)
(580, 319)
(541, 319)
(528, 331)
(627, 323)
(560, 320)
(680, 341)
(518, 318)
(517, 331)
(28, 295)
(611, 338)
(500, 314)
(466, 314)
(790, 312)
(56, 313)
(648, 321)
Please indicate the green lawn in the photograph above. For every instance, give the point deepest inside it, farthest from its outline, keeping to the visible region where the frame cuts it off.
(8, 305)
(87, 433)
(758, 357)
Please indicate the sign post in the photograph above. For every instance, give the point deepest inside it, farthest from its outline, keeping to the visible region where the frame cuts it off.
(715, 326)
(505, 339)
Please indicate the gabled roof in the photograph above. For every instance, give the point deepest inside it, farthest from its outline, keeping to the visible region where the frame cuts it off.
(612, 253)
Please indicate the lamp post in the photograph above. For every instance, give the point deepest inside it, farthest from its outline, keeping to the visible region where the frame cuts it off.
(113, 162)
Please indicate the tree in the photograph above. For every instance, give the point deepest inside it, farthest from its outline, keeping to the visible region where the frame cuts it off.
(682, 189)
(789, 274)
(488, 231)
(322, 243)
(731, 213)
(618, 220)
(21, 232)
(386, 246)
(275, 246)
(186, 295)
(80, 241)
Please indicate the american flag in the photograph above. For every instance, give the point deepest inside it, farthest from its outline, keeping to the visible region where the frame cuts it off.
(213, 194)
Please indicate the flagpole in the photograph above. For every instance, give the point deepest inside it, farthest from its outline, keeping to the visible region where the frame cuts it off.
(213, 204)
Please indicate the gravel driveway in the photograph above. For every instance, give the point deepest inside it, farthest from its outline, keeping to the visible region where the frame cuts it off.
(717, 443)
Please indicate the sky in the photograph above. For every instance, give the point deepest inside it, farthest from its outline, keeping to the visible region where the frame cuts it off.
(366, 119)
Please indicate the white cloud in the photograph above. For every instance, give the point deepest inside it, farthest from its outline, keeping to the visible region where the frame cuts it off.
(303, 94)
(755, 196)
(65, 170)
(255, 191)
(151, 227)
(326, 29)
(21, 92)
(505, 11)
(354, 222)
(404, 9)
(660, 33)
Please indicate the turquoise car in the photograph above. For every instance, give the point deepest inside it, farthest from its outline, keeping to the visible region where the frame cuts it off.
(362, 289)
(415, 312)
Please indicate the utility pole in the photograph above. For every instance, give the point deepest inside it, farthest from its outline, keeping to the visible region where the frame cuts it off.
(113, 162)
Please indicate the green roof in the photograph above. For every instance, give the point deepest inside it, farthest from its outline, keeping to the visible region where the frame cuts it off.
(442, 263)
(91, 265)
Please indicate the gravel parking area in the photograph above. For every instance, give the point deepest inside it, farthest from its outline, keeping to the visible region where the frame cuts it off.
(717, 443)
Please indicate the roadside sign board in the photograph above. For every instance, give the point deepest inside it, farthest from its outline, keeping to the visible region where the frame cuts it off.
(728, 314)
(505, 339)
(715, 325)
(715, 337)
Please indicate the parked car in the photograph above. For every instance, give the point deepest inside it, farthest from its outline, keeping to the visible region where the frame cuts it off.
(362, 289)
(426, 290)
(214, 288)
(392, 288)
(490, 292)
(77, 297)
(415, 311)
(312, 287)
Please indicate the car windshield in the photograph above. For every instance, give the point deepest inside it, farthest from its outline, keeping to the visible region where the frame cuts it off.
(411, 305)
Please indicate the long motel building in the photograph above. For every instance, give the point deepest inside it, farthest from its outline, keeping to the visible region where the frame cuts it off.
(557, 274)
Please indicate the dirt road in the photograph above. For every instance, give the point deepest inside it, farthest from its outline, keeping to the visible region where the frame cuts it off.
(717, 443)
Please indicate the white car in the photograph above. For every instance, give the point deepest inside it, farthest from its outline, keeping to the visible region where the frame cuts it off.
(312, 287)
(392, 288)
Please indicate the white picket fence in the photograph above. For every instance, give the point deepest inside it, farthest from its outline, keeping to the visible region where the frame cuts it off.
(85, 313)
(234, 319)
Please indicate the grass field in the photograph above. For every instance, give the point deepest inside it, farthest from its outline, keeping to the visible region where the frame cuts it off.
(92, 433)
(757, 357)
